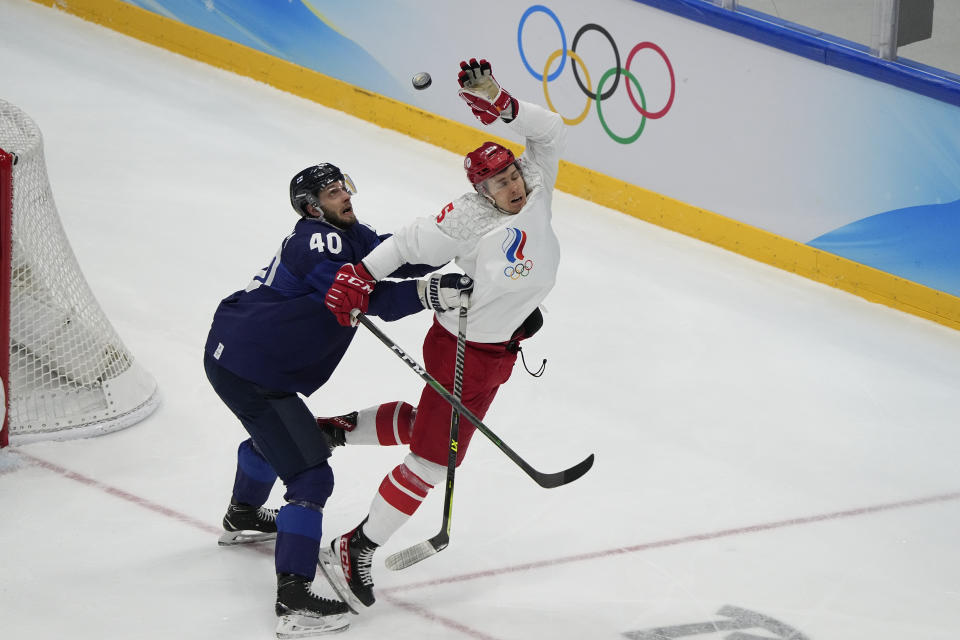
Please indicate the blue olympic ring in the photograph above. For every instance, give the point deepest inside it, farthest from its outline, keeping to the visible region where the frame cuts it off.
(539, 8)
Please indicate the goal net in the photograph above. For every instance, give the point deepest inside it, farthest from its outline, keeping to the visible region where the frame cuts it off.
(66, 373)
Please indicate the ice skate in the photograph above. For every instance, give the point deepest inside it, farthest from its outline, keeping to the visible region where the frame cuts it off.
(302, 613)
(347, 567)
(335, 428)
(245, 523)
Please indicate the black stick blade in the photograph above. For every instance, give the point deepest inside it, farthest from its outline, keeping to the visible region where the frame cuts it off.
(560, 478)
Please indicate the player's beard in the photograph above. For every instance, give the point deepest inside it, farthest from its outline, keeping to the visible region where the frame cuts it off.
(343, 219)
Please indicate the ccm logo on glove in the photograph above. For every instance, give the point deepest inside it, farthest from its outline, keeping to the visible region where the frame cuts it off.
(354, 282)
(351, 289)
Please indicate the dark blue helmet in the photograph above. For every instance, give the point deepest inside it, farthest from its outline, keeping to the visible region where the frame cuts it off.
(306, 184)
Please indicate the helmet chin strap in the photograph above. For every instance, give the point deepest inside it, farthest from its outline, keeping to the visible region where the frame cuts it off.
(486, 195)
(313, 202)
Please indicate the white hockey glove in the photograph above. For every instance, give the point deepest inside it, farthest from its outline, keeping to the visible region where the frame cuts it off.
(441, 292)
(483, 94)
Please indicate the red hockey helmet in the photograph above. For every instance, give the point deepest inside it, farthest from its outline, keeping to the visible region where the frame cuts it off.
(486, 161)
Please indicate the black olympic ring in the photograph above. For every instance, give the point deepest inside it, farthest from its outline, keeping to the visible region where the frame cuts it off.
(616, 55)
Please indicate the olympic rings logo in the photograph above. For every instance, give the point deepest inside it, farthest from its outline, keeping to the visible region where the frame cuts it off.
(512, 246)
(521, 269)
(616, 71)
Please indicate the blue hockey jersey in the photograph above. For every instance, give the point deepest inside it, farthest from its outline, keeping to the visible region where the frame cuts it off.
(278, 333)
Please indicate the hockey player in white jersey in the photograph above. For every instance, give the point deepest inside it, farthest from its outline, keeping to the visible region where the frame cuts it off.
(500, 235)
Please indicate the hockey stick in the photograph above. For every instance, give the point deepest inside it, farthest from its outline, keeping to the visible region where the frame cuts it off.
(423, 550)
(546, 480)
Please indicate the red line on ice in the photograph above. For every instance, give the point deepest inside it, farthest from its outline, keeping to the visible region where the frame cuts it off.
(700, 537)
(389, 594)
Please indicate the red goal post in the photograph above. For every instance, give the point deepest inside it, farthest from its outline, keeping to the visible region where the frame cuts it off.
(6, 246)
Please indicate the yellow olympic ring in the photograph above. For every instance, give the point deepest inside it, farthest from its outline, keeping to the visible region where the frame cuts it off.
(546, 92)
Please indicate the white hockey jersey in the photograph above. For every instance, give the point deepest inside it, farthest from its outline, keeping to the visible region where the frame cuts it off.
(512, 259)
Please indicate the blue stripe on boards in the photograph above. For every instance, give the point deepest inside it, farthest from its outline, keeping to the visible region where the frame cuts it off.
(816, 45)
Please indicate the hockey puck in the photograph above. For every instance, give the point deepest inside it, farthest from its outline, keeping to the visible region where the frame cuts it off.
(421, 81)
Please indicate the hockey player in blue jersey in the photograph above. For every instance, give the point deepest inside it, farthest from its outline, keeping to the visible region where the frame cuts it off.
(276, 339)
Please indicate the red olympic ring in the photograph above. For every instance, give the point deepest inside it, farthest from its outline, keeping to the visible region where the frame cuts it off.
(673, 81)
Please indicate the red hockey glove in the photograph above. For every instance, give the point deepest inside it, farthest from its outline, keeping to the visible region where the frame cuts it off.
(483, 94)
(350, 290)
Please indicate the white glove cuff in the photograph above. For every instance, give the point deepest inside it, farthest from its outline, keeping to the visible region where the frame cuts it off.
(435, 297)
(422, 293)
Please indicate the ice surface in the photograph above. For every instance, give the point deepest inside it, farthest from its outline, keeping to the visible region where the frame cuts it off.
(764, 443)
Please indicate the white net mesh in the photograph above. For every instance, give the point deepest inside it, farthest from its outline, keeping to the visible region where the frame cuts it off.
(70, 375)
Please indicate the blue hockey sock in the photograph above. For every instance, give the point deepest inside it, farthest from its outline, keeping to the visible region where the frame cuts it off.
(255, 477)
(299, 529)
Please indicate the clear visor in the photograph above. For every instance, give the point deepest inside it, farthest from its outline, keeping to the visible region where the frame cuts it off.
(503, 180)
(345, 185)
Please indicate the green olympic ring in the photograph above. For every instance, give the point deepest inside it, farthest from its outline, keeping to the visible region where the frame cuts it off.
(643, 101)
